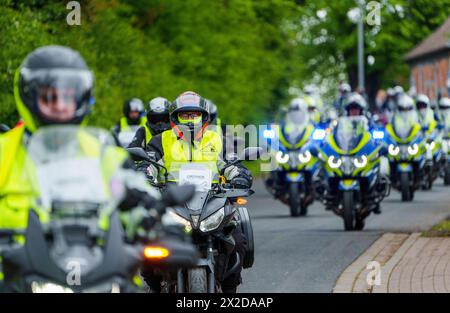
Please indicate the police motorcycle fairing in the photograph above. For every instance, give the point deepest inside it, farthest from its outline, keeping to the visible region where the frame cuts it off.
(406, 153)
(353, 186)
(296, 175)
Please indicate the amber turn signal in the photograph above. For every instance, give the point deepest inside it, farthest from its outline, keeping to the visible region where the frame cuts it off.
(155, 252)
(241, 201)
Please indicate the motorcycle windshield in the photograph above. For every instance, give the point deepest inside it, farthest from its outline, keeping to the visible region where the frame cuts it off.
(68, 168)
(349, 131)
(403, 122)
(295, 125)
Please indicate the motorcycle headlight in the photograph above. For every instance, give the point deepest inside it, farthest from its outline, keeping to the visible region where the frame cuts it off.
(304, 157)
(334, 162)
(413, 149)
(41, 287)
(378, 134)
(171, 217)
(213, 221)
(360, 162)
(282, 158)
(393, 150)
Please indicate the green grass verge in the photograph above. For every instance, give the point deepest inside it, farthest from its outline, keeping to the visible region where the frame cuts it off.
(442, 229)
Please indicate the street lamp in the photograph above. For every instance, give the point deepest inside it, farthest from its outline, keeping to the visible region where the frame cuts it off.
(356, 15)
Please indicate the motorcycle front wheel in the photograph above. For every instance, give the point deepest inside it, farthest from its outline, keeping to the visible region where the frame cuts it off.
(447, 175)
(405, 188)
(197, 280)
(349, 210)
(294, 200)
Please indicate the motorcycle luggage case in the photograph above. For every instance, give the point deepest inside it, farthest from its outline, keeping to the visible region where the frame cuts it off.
(247, 229)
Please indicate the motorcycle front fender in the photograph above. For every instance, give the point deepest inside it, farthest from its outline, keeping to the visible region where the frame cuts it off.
(294, 177)
(349, 184)
(404, 167)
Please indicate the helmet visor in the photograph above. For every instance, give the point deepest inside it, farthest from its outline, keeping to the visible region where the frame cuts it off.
(421, 105)
(57, 95)
(190, 117)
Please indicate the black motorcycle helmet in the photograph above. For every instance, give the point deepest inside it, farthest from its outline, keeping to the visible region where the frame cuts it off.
(133, 110)
(53, 86)
(158, 119)
(212, 111)
(189, 101)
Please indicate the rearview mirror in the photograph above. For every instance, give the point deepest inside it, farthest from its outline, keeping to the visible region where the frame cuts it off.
(138, 154)
(178, 195)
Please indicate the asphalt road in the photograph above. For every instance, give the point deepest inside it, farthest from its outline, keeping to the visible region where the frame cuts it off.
(307, 254)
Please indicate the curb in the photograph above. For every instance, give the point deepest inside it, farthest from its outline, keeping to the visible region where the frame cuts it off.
(387, 250)
(387, 269)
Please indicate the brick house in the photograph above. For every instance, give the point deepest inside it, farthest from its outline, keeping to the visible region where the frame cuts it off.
(429, 62)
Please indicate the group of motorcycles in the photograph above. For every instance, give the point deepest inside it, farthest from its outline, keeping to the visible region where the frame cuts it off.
(182, 234)
(350, 166)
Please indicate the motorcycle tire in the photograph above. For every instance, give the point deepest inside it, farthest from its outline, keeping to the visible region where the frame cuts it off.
(197, 280)
(303, 209)
(349, 210)
(247, 229)
(447, 176)
(359, 224)
(405, 187)
(294, 200)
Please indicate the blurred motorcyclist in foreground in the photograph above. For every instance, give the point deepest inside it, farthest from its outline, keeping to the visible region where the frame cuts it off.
(133, 118)
(53, 86)
(190, 140)
(157, 121)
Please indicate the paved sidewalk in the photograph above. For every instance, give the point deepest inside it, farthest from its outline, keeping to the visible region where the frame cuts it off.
(407, 263)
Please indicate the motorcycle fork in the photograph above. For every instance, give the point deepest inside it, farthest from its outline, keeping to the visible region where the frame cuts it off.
(180, 281)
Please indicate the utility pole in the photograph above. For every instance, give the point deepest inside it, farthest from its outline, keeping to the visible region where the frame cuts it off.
(361, 82)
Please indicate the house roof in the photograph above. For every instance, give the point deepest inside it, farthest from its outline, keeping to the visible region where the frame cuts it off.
(437, 41)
